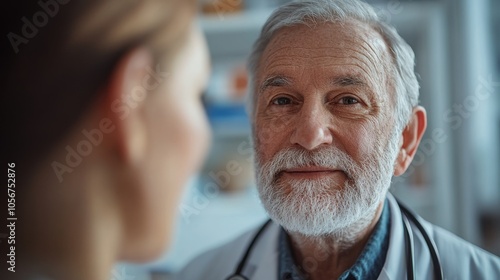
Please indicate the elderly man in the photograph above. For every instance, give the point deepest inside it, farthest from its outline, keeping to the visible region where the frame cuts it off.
(335, 114)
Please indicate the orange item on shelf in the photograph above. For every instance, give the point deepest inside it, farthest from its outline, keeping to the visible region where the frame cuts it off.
(239, 83)
(219, 7)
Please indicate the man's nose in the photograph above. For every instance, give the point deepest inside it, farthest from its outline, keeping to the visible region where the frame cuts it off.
(312, 128)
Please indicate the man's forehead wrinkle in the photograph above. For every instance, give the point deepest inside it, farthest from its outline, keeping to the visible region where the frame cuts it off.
(299, 53)
(378, 49)
(336, 52)
(286, 60)
(369, 51)
(277, 60)
(320, 61)
(278, 64)
(275, 69)
(377, 45)
(274, 50)
(352, 48)
(363, 59)
(371, 47)
(289, 57)
(355, 66)
(367, 38)
(369, 68)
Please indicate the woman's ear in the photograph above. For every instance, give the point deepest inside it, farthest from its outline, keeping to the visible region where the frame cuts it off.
(125, 98)
(411, 137)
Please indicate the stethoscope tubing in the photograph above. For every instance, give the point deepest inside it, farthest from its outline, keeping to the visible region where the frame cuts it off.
(406, 216)
(436, 261)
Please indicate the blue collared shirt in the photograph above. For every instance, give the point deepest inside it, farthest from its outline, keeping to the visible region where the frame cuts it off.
(367, 266)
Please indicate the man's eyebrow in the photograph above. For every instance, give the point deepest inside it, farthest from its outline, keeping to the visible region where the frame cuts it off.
(348, 81)
(274, 81)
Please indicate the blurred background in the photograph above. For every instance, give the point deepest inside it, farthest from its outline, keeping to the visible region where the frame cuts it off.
(454, 181)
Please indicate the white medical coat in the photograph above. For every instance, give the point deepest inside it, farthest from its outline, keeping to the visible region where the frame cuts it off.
(459, 259)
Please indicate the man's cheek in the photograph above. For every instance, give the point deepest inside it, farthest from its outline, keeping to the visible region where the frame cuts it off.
(264, 137)
(360, 145)
(271, 129)
(259, 150)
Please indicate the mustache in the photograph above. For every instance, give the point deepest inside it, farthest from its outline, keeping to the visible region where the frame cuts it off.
(292, 157)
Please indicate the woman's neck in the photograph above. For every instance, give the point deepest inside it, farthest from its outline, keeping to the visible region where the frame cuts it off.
(71, 229)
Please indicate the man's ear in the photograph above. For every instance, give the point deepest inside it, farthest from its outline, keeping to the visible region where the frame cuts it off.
(125, 101)
(412, 134)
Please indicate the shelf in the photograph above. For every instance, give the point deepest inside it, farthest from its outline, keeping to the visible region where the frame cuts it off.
(237, 22)
(228, 120)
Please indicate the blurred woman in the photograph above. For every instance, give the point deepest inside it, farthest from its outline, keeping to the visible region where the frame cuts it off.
(104, 127)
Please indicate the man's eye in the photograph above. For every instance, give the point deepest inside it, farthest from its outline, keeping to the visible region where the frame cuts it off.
(348, 100)
(282, 101)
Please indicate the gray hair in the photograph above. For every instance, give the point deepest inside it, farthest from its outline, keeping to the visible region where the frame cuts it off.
(402, 75)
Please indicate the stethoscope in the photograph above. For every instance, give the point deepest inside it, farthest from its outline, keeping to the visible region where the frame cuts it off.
(410, 260)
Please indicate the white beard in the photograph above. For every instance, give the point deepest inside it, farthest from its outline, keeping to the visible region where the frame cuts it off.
(319, 207)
